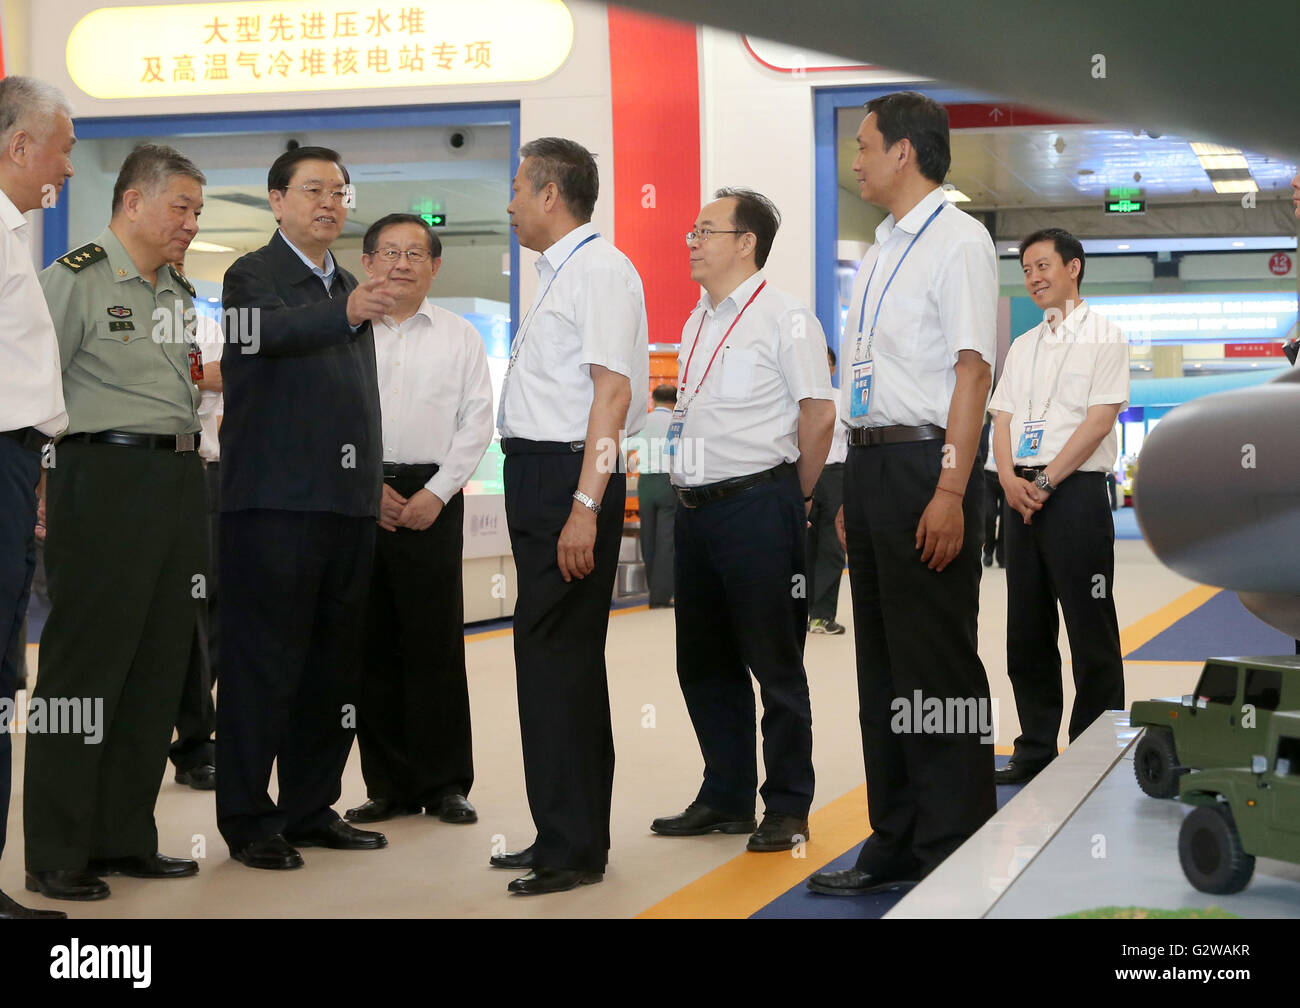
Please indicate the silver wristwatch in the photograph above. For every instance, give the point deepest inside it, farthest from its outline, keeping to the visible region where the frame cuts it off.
(1043, 483)
(586, 502)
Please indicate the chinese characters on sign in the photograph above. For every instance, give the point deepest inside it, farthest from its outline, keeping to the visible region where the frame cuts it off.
(393, 33)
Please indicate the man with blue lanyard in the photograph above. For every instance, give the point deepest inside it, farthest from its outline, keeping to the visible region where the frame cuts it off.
(578, 374)
(753, 422)
(1062, 389)
(919, 345)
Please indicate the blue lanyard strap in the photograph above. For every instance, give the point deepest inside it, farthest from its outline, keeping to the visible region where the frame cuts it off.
(519, 337)
(862, 314)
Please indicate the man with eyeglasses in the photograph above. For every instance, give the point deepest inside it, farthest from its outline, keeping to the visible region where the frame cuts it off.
(435, 399)
(300, 489)
(753, 423)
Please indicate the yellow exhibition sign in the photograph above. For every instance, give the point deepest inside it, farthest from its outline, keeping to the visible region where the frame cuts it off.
(266, 46)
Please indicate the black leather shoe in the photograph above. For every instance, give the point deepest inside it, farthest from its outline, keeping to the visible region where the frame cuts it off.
(855, 882)
(153, 865)
(1018, 771)
(338, 835)
(699, 819)
(549, 880)
(380, 809)
(67, 884)
(778, 833)
(200, 778)
(454, 808)
(513, 859)
(273, 854)
(9, 910)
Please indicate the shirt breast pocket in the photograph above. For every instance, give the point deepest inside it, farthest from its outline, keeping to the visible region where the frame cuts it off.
(738, 368)
(126, 356)
(898, 333)
(1074, 392)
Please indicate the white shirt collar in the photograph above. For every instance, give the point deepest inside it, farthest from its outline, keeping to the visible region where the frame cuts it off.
(914, 219)
(562, 249)
(326, 273)
(737, 297)
(10, 215)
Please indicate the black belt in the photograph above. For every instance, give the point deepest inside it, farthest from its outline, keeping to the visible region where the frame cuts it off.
(28, 437)
(423, 471)
(180, 443)
(522, 446)
(832, 466)
(1028, 472)
(869, 437)
(693, 497)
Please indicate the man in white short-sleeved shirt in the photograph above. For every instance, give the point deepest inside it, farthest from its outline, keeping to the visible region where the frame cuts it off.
(1063, 386)
(916, 356)
(576, 382)
(750, 432)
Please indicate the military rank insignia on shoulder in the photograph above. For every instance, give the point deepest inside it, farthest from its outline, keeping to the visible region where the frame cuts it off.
(79, 259)
(180, 279)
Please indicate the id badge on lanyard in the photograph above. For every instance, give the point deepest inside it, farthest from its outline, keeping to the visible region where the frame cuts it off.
(860, 399)
(1031, 439)
(196, 363)
(674, 432)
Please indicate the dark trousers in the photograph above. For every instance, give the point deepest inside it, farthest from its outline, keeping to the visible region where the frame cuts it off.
(413, 725)
(197, 719)
(1068, 554)
(559, 636)
(20, 470)
(739, 610)
(915, 629)
(825, 554)
(293, 602)
(995, 540)
(657, 505)
(124, 545)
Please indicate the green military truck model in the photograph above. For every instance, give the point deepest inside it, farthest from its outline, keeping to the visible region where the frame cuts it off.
(1221, 724)
(1243, 813)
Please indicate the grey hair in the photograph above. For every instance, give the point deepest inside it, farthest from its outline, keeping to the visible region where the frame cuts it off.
(30, 104)
(570, 166)
(148, 167)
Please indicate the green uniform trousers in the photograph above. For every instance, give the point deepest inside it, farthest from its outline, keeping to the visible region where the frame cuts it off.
(126, 540)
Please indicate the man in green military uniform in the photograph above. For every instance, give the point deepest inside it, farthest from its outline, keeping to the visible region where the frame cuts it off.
(126, 550)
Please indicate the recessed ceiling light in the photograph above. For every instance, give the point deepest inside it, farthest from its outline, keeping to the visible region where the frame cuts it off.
(1236, 186)
(204, 246)
(1238, 244)
(1122, 246)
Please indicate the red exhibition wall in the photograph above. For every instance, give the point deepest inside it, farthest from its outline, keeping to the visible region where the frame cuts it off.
(654, 78)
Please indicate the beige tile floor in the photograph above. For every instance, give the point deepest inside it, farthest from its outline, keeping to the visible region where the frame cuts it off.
(431, 869)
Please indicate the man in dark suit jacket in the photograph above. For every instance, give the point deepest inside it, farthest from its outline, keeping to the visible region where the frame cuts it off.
(301, 477)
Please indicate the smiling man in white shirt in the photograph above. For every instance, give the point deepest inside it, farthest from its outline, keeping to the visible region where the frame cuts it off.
(36, 139)
(755, 411)
(578, 375)
(435, 398)
(1062, 389)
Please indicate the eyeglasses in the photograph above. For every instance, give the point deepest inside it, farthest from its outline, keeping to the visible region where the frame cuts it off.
(391, 255)
(702, 235)
(346, 195)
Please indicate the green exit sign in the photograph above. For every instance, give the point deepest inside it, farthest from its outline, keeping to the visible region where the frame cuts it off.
(1125, 206)
(434, 219)
(1123, 192)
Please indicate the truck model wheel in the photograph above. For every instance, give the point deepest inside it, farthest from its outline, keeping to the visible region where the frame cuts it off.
(1211, 853)
(1155, 763)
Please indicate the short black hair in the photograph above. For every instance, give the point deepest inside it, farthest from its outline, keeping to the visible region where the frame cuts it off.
(664, 393)
(1067, 247)
(371, 241)
(147, 169)
(831, 354)
(570, 166)
(756, 214)
(923, 121)
(281, 173)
